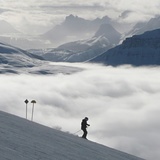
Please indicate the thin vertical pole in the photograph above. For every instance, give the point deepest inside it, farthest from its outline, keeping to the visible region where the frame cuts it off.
(26, 102)
(26, 110)
(33, 101)
(32, 112)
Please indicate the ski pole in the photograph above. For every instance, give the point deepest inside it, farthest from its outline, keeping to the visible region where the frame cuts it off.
(77, 131)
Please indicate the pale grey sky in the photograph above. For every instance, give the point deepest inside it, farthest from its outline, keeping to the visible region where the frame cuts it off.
(37, 16)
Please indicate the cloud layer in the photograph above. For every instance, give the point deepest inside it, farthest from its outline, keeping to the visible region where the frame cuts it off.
(37, 16)
(122, 104)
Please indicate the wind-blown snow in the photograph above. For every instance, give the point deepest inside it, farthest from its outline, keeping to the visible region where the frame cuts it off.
(24, 140)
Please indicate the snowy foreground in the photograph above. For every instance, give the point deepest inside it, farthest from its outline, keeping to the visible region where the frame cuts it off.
(21, 139)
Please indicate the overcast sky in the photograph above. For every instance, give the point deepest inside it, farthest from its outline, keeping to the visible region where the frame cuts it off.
(35, 16)
(122, 104)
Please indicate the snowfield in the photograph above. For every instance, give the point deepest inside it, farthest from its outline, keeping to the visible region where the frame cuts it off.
(25, 140)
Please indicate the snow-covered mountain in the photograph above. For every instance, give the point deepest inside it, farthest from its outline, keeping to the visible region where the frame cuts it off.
(138, 50)
(78, 51)
(105, 38)
(106, 30)
(74, 28)
(14, 60)
(16, 57)
(87, 49)
(25, 140)
(141, 27)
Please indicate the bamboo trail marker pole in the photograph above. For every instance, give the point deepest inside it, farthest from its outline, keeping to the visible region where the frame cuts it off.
(33, 101)
(26, 102)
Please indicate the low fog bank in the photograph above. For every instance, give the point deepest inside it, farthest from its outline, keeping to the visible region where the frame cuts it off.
(122, 104)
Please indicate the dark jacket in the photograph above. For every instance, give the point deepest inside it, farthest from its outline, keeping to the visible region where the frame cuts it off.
(84, 124)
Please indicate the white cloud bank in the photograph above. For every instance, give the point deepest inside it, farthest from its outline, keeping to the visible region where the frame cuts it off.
(122, 104)
(37, 16)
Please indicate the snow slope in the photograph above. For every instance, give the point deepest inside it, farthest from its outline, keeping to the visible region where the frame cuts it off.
(16, 57)
(25, 140)
(15, 60)
(12, 59)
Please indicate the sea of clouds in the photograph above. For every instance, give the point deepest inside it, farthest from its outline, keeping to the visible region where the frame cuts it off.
(122, 104)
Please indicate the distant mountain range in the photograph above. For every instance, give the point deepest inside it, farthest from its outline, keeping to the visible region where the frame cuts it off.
(105, 38)
(138, 50)
(103, 46)
(73, 28)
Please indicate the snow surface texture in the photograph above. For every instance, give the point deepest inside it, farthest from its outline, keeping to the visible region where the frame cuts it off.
(25, 140)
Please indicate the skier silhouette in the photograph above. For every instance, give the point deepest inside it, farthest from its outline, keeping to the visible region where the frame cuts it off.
(84, 125)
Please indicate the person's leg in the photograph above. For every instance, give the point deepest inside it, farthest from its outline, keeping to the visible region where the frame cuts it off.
(85, 133)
